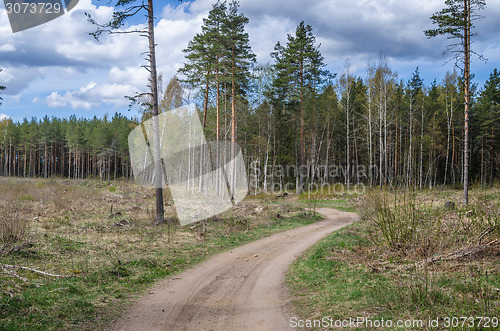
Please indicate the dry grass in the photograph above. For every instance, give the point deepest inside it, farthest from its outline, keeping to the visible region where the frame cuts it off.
(408, 258)
(14, 220)
(101, 236)
(416, 226)
(83, 219)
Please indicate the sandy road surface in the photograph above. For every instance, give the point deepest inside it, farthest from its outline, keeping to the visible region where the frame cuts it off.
(237, 290)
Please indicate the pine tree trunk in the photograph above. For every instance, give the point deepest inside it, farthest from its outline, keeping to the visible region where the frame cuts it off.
(302, 167)
(158, 173)
(217, 165)
(448, 126)
(467, 100)
(453, 155)
(370, 146)
(267, 151)
(381, 144)
(421, 150)
(328, 141)
(348, 148)
(233, 125)
(410, 147)
(386, 167)
(396, 152)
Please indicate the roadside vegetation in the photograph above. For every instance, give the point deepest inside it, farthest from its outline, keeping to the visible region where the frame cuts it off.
(413, 255)
(74, 252)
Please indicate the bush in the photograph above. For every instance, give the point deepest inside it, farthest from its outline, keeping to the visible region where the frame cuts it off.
(395, 217)
(13, 228)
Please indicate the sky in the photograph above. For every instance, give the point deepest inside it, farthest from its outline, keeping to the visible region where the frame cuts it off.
(58, 69)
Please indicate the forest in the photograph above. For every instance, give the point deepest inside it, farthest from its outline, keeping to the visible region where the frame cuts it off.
(296, 122)
(354, 181)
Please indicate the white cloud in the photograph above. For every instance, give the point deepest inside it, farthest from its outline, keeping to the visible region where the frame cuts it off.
(91, 96)
(4, 117)
(7, 48)
(172, 34)
(54, 62)
(135, 75)
(55, 100)
(115, 93)
(17, 78)
(80, 98)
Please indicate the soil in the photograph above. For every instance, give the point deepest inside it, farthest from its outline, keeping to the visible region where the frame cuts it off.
(242, 289)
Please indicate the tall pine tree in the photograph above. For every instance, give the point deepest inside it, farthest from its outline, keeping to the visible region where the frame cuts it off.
(456, 22)
(130, 8)
(298, 73)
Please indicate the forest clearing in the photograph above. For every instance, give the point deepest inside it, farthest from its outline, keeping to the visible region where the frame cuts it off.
(76, 260)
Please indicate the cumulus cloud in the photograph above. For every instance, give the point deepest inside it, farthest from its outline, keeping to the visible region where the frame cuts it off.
(17, 78)
(4, 117)
(77, 99)
(131, 75)
(56, 61)
(65, 42)
(357, 30)
(7, 48)
(91, 96)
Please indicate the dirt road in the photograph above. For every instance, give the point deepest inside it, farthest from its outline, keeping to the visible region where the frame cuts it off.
(238, 290)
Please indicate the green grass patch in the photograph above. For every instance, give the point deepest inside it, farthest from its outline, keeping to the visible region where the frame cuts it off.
(111, 258)
(370, 270)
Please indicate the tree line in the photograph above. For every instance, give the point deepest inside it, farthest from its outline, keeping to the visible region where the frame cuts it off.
(73, 148)
(378, 131)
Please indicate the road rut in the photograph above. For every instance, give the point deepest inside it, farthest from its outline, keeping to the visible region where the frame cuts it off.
(242, 289)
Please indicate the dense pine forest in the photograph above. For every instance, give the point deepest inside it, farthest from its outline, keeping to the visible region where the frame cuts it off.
(72, 148)
(297, 123)
(399, 130)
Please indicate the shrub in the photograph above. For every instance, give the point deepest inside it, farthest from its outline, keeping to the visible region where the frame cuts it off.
(395, 217)
(13, 228)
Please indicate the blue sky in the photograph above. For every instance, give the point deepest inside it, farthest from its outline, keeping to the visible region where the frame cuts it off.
(57, 69)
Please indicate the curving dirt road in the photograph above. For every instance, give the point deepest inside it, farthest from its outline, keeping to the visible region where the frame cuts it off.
(237, 290)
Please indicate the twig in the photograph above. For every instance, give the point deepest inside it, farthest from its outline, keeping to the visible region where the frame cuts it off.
(485, 233)
(33, 270)
(458, 254)
(16, 248)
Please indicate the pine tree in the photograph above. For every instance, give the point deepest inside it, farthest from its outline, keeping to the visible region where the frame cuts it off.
(298, 72)
(239, 61)
(456, 22)
(206, 54)
(130, 9)
(346, 89)
(487, 120)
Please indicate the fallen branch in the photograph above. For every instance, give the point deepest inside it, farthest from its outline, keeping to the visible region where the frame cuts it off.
(485, 233)
(456, 255)
(33, 270)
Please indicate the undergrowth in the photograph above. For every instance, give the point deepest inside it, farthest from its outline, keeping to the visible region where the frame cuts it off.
(412, 256)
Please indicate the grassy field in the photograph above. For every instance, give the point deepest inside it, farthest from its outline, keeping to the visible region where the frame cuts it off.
(409, 258)
(74, 253)
(96, 245)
